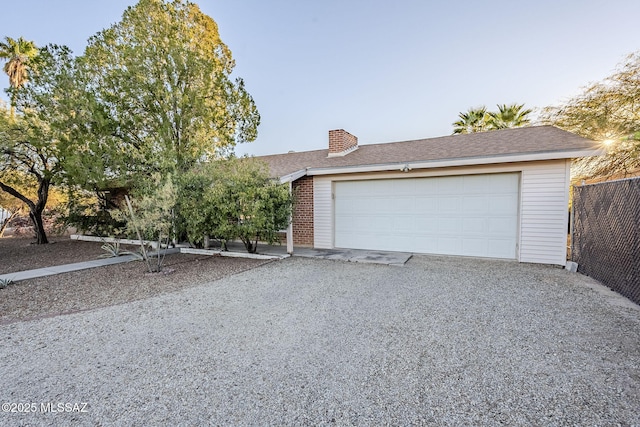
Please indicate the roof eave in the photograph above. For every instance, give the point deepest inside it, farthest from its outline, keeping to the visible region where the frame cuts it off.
(293, 176)
(465, 161)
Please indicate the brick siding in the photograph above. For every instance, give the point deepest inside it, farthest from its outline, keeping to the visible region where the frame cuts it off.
(303, 211)
(340, 140)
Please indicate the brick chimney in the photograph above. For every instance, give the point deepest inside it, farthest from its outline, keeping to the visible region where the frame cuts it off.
(341, 143)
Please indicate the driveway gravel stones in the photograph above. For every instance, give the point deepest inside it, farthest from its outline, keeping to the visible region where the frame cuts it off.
(440, 341)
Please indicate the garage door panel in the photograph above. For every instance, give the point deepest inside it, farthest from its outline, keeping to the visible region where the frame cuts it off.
(384, 223)
(503, 204)
(367, 223)
(448, 204)
(448, 226)
(503, 226)
(404, 224)
(383, 205)
(475, 184)
(368, 240)
(347, 224)
(426, 186)
(384, 186)
(403, 204)
(349, 190)
(502, 183)
(449, 245)
(404, 189)
(474, 215)
(403, 240)
(450, 185)
(347, 207)
(426, 225)
(500, 248)
(476, 204)
(471, 226)
(426, 205)
(474, 247)
(430, 245)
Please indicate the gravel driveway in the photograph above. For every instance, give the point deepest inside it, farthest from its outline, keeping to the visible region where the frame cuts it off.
(442, 341)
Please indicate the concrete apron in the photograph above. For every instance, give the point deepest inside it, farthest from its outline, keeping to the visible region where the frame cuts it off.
(350, 255)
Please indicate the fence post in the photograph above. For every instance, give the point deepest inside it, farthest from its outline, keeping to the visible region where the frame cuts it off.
(571, 219)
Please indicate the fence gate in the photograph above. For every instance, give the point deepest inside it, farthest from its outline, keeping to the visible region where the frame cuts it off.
(606, 234)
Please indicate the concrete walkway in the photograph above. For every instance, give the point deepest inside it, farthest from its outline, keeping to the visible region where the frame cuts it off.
(49, 271)
(235, 249)
(66, 268)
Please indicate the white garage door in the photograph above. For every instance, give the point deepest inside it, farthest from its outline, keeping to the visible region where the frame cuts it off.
(472, 215)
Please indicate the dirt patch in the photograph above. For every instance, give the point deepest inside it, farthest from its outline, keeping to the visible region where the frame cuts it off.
(96, 287)
(20, 253)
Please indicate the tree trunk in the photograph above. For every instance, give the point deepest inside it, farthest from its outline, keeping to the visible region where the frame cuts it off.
(38, 226)
(249, 245)
(13, 106)
(35, 209)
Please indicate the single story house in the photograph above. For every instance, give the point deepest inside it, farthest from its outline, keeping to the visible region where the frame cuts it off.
(498, 194)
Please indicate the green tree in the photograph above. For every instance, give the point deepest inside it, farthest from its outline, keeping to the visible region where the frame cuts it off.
(474, 120)
(22, 152)
(609, 112)
(197, 216)
(18, 54)
(509, 116)
(234, 199)
(480, 120)
(34, 142)
(26, 185)
(151, 216)
(162, 96)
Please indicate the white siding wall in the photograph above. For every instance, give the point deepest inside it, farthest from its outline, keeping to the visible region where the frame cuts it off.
(322, 213)
(544, 213)
(544, 199)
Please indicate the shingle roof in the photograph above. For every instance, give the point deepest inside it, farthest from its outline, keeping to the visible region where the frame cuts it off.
(527, 140)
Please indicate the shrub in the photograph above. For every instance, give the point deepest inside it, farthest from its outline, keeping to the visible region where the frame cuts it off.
(234, 199)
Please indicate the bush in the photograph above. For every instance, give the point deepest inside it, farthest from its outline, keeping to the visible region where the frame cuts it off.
(234, 199)
(90, 214)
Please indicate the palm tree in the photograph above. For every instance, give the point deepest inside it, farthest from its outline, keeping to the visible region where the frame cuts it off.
(474, 120)
(18, 54)
(509, 116)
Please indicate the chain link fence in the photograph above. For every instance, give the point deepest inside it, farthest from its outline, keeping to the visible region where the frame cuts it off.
(606, 234)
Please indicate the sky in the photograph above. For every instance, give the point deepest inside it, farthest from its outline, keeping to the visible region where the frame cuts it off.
(384, 71)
